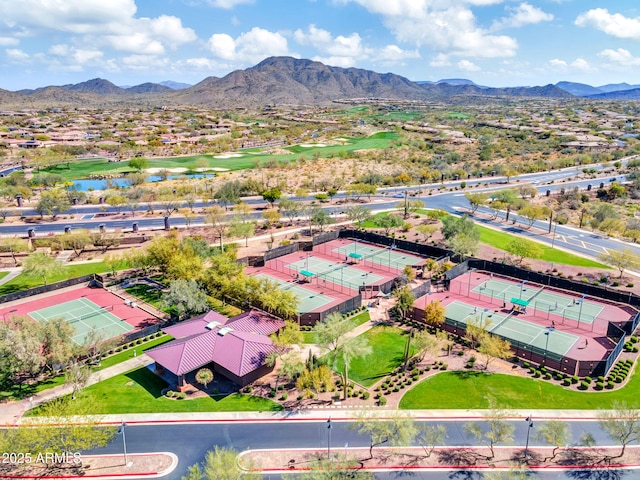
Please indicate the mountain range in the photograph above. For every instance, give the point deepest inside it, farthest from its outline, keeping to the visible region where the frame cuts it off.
(296, 81)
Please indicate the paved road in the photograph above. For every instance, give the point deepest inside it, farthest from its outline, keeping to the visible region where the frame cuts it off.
(191, 441)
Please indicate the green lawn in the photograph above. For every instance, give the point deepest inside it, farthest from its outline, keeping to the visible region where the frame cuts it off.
(139, 391)
(127, 354)
(248, 159)
(3, 274)
(500, 240)
(15, 393)
(388, 345)
(152, 296)
(443, 391)
(310, 337)
(23, 282)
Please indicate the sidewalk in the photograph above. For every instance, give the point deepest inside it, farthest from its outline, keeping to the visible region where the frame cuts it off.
(11, 413)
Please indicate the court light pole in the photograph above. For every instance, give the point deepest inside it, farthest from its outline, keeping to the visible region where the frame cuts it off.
(469, 282)
(529, 421)
(546, 347)
(580, 311)
(522, 287)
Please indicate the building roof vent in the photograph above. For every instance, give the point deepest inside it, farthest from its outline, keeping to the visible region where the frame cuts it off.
(212, 325)
(224, 330)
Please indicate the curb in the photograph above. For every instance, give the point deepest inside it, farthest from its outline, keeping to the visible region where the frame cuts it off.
(153, 474)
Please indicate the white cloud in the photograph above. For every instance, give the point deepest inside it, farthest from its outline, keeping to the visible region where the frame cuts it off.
(446, 26)
(8, 41)
(346, 51)
(144, 62)
(251, 46)
(75, 16)
(339, 46)
(393, 54)
(344, 62)
(620, 57)
(440, 60)
(523, 14)
(98, 22)
(558, 64)
(467, 66)
(135, 42)
(579, 64)
(17, 56)
(228, 4)
(615, 24)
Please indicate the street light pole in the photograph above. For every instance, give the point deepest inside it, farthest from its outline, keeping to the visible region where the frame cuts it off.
(124, 441)
(329, 438)
(529, 421)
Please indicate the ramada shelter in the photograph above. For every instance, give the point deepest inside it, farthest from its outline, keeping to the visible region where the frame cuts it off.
(236, 347)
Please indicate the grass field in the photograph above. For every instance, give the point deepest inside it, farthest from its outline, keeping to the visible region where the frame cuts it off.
(443, 391)
(3, 274)
(310, 337)
(15, 393)
(139, 391)
(388, 345)
(500, 240)
(248, 159)
(23, 282)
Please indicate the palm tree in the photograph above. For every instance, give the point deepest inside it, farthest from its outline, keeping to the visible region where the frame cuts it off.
(204, 376)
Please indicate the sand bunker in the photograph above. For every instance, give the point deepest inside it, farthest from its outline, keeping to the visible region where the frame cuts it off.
(311, 145)
(229, 155)
(218, 169)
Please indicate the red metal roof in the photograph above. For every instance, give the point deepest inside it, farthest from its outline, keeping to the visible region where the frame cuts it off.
(241, 350)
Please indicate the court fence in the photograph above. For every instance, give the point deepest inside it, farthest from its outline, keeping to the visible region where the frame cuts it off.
(565, 284)
(551, 360)
(325, 237)
(10, 297)
(280, 251)
(349, 305)
(412, 247)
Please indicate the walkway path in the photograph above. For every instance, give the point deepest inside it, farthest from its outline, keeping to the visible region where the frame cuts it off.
(11, 413)
(13, 273)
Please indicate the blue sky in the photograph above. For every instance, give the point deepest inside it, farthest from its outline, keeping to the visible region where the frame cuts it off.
(492, 42)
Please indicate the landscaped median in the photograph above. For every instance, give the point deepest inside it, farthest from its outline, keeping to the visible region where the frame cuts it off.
(507, 458)
(138, 465)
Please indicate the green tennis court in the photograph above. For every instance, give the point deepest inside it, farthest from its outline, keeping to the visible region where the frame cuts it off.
(546, 339)
(506, 291)
(568, 307)
(463, 313)
(382, 256)
(84, 316)
(308, 300)
(556, 343)
(335, 272)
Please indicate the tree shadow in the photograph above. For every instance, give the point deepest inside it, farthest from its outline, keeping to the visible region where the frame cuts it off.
(459, 457)
(465, 475)
(597, 474)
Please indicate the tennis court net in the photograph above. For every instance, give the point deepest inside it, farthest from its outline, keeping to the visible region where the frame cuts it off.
(71, 318)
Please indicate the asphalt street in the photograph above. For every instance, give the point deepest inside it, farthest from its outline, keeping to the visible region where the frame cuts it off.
(190, 442)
